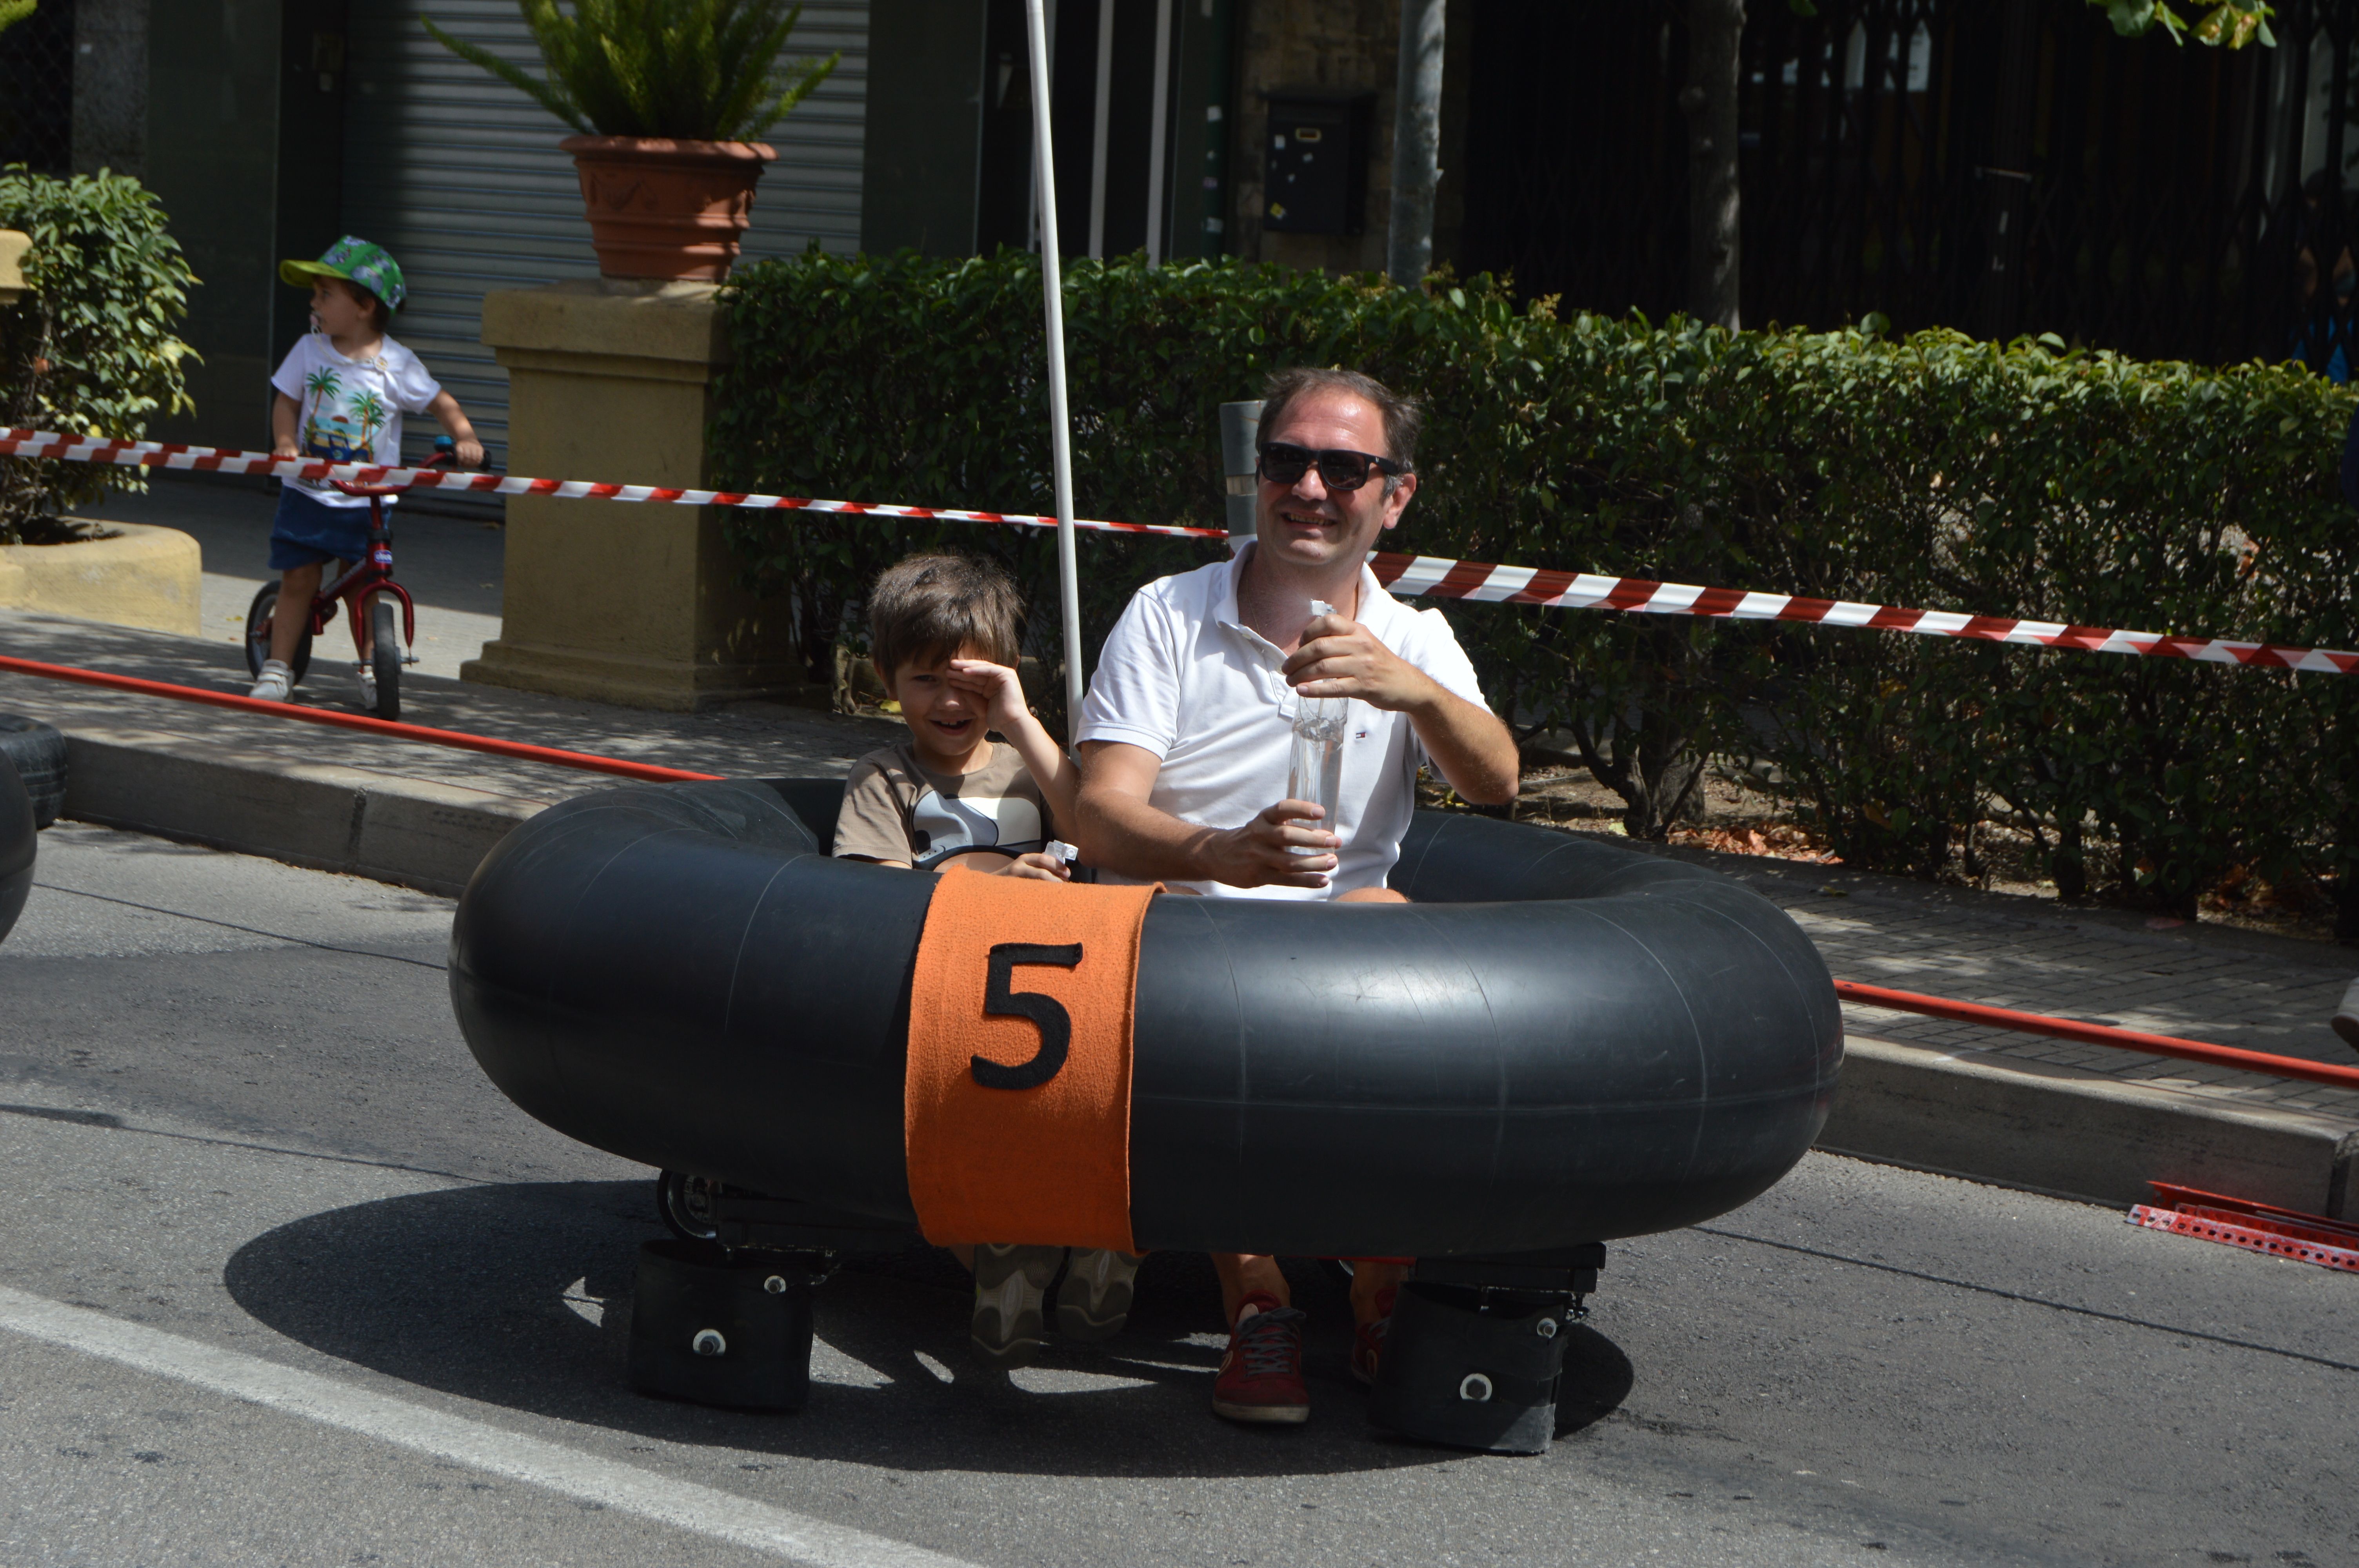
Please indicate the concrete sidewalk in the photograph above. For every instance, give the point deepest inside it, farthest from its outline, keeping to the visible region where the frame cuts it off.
(2081, 1121)
(339, 800)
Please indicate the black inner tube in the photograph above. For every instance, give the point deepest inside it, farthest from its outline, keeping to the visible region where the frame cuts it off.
(1559, 1040)
(17, 842)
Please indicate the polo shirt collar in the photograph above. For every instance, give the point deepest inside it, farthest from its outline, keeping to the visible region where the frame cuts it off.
(1379, 610)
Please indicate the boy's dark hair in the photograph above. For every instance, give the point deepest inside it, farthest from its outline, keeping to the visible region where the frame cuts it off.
(380, 313)
(1403, 416)
(928, 607)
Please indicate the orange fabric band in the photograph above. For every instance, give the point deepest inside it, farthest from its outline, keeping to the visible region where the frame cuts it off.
(1016, 1113)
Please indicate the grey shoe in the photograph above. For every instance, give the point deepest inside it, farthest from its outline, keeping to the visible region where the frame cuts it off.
(1011, 1284)
(1094, 1300)
(2346, 1017)
(368, 689)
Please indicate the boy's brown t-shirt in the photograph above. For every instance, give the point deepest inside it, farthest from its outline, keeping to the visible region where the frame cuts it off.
(897, 808)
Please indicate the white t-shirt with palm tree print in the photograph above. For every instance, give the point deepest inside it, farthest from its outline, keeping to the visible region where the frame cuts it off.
(352, 410)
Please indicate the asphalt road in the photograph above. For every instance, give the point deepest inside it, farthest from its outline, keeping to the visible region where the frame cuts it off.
(284, 1280)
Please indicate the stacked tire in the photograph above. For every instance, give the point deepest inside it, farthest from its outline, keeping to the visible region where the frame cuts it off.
(38, 753)
(15, 845)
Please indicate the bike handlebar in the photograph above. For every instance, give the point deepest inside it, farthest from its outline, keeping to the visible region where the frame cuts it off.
(445, 454)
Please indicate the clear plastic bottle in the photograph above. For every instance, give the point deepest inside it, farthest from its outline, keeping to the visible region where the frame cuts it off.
(1317, 772)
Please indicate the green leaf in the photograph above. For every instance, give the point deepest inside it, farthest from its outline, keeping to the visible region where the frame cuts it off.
(690, 70)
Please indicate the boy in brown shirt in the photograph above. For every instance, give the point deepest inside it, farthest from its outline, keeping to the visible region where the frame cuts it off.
(942, 631)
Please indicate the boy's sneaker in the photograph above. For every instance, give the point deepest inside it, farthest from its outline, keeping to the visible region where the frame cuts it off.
(1010, 1285)
(1261, 1376)
(1368, 1339)
(1094, 1300)
(368, 689)
(278, 682)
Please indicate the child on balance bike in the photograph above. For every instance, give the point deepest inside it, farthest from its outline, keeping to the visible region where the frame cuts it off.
(341, 392)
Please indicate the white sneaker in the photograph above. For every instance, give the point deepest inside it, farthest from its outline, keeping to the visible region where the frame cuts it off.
(278, 682)
(2346, 1017)
(368, 689)
(1094, 1300)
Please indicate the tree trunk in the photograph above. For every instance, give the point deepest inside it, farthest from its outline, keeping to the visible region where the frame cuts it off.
(1716, 29)
(1650, 744)
(1416, 142)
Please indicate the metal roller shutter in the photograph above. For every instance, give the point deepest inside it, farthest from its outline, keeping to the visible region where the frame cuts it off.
(459, 176)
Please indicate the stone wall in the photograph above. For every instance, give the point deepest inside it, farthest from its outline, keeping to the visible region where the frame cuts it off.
(1338, 46)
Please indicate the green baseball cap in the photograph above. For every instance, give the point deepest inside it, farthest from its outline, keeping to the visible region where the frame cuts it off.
(354, 260)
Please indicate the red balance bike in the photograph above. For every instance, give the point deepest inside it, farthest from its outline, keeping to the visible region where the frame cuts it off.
(369, 587)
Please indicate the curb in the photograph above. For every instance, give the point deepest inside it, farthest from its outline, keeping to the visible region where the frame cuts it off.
(2072, 1133)
(328, 819)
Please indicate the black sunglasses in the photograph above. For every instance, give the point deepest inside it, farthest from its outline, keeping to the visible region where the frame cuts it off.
(1339, 468)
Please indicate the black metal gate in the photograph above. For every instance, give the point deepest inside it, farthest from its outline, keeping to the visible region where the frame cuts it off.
(37, 71)
(1998, 166)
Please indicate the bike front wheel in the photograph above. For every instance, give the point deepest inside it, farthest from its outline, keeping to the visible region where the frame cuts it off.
(258, 617)
(384, 656)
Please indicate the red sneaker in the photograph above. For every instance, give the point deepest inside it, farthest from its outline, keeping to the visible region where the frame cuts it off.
(1368, 1338)
(1261, 1376)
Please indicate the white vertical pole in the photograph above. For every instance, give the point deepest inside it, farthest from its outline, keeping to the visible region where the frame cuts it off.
(1157, 131)
(1032, 209)
(1098, 136)
(1060, 426)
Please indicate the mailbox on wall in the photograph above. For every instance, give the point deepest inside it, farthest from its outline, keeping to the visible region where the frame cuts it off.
(1316, 178)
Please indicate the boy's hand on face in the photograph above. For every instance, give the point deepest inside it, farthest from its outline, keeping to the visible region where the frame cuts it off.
(1002, 692)
(1038, 866)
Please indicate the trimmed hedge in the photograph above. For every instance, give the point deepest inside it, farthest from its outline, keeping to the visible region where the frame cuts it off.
(1933, 472)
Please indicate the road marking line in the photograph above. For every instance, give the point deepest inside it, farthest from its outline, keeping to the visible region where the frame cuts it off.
(685, 1505)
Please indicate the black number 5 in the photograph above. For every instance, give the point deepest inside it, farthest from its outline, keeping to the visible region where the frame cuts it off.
(1055, 1023)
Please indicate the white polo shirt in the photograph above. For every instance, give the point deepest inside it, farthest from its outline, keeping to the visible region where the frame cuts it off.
(1182, 677)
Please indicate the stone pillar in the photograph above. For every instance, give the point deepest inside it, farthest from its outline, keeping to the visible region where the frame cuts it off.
(609, 380)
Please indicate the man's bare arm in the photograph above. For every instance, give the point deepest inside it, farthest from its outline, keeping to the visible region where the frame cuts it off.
(1471, 747)
(1466, 741)
(1120, 831)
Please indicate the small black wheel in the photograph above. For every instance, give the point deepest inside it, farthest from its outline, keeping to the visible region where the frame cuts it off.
(685, 1203)
(38, 752)
(384, 656)
(258, 635)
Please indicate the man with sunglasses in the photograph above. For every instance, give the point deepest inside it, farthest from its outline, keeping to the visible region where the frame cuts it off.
(1186, 737)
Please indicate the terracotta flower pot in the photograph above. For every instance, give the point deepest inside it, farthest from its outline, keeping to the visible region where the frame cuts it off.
(666, 209)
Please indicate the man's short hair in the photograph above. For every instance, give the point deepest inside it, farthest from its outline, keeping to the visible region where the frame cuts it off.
(1403, 416)
(926, 607)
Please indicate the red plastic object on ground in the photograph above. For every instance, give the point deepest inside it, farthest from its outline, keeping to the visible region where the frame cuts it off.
(2254, 1227)
(2101, 1034)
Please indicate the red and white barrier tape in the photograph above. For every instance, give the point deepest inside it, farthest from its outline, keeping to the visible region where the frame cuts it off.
(1409, 576)
(23, 443)
(1432, 577)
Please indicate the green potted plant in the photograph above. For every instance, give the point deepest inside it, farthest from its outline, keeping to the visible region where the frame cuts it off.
(669, 97)
(89, 350)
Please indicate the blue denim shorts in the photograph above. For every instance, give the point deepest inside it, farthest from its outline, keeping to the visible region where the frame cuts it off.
(307, 532)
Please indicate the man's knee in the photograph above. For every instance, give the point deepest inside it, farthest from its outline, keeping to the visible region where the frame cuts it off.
(1371, 895)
